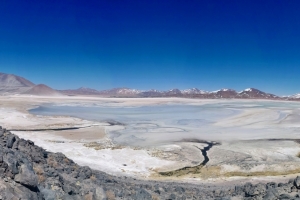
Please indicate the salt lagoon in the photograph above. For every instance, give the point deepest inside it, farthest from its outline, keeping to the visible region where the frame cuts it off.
(160, 124)
(145, 138)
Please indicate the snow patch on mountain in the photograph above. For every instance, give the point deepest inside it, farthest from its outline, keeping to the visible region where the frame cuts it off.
(222, 90)
(127, 91)
(295, 96)
(193, 91)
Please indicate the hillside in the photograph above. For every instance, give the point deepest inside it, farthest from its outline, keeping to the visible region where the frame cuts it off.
(12, 84)
(42, 90)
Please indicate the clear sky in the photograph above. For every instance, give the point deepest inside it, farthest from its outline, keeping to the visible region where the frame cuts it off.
(161, 44)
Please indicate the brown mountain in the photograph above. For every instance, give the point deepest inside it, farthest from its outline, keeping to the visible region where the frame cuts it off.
(12, 84)
(150, 93)
(80, 91)
(223, 93)
(173, 92)
(252, 93)
(42, 90)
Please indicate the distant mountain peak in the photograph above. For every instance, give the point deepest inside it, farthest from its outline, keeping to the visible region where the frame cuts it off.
(153, 90)
(193, 91)
(126, 91)
(10, 80)
(248, 89)
(42, 90)
(223, 90)
(255, 93)
(294, 96)
(12, 84)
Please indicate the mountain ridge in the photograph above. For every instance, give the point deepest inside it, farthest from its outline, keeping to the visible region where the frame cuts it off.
(251, 93)
(13, 84)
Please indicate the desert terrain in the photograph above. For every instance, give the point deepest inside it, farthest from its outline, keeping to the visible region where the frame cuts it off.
(243, 140)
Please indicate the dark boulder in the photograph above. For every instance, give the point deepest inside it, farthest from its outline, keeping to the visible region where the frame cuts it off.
(27, 176)
(297, 182)
(10, 140)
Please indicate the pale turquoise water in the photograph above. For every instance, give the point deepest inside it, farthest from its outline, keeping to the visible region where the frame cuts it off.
(168, 123)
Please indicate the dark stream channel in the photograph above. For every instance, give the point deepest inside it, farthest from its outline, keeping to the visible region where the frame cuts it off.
(194, 169)
(205, 150)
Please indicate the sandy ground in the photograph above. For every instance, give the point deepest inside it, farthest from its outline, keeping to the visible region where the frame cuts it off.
(92, 134)
(233, 160)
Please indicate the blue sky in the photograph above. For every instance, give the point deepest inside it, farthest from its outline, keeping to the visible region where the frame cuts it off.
(159, 44)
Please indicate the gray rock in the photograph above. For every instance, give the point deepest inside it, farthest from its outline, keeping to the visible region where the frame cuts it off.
(27, 176)
(271, 194)
(48, 194)
(71, 188)
(294, 189)
(85, 173)
(10, 140)
(238, 190)
(172, 197)
(285, 196)
(297, 182)
(100, 194)
(12, 162)
(271, 185)
(142, 194)
(256, 190)
(10, 191)
(180, 190)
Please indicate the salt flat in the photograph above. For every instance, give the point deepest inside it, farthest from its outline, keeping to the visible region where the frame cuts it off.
(143, 137)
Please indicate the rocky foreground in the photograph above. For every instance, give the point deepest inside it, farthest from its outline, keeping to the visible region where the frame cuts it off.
(30, 172)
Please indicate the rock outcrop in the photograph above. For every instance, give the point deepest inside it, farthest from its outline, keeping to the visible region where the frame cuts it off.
(30, 172)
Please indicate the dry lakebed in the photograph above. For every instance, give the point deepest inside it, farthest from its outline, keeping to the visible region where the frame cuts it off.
(165, 139)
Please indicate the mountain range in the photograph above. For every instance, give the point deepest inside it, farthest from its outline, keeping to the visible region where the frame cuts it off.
(250, 93)
(11, 84)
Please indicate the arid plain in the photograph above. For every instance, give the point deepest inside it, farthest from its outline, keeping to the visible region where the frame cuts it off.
(257, 140)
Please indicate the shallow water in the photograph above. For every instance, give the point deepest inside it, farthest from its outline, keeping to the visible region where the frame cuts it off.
(152, 125)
